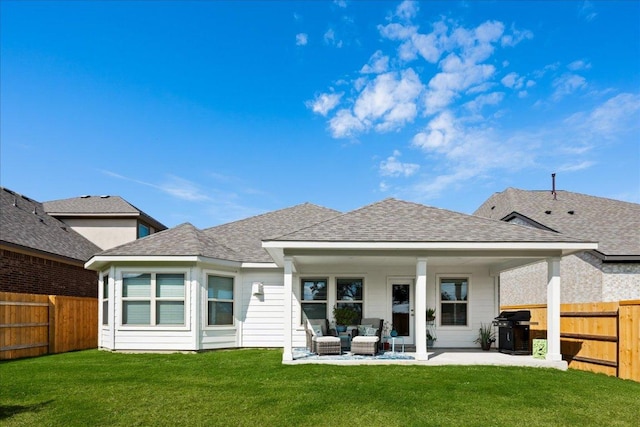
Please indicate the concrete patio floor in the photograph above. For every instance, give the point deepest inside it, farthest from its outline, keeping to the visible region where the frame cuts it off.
(437, 357)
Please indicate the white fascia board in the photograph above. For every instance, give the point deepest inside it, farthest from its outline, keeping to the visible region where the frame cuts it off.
(95, 215)
(98, 262)
(259, 265)
(563, 246)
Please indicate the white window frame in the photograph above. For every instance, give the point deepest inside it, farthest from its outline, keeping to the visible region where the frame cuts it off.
(153, 325)
(315, 278)
(105, 301)
(205, 299)
(361, 301)
(468, 278)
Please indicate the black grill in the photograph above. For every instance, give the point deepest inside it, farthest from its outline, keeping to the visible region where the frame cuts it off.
(513, 331)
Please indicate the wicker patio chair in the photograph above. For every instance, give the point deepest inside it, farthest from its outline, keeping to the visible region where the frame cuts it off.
(317, 340)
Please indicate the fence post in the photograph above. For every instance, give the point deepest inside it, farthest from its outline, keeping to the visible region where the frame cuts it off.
(52, 324)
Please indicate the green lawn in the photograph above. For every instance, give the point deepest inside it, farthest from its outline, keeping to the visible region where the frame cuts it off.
(252, 388)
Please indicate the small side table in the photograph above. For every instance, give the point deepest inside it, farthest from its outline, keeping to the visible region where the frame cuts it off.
(393, 343)
(345, 340)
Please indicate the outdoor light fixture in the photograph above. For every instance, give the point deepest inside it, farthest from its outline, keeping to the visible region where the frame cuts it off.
(257, 288)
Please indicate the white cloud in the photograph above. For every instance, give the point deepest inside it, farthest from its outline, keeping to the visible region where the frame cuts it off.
(344, 124)
(564, 145)
(480, 101)
(407, 10)
(567, 84)
(330, 38)
(579, 65)
(587, 11)
(378, 63)
(572, 167)
(615, 116)
(395, 168)
(301, 39)
(340, 3)
(513, 81)
(324, 103)
(447, 86)
(438, 133)
(174, 186)
(515, 37)
(389, 100)
(183, 189)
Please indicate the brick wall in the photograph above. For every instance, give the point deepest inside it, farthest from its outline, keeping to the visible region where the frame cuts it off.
(25, 273)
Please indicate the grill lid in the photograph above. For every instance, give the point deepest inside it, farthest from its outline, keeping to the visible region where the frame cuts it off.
(514, 316)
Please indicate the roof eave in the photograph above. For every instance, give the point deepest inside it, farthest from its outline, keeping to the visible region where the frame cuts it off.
(378, 245)
(615, 258)
(99, 262)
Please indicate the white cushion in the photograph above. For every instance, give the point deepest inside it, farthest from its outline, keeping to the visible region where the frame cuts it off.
(361, 338)
(327, 339)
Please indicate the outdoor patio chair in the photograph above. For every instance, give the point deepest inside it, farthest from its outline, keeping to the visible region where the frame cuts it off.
(374, 322)
(318, 339)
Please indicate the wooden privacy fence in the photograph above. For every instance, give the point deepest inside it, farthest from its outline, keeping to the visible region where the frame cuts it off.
(33, 325)
(598, 337)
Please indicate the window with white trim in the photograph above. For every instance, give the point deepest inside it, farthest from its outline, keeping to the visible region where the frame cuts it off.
(454, 301)
(153, 299)
(105, 299)
(314, 298)
(219, 300)
(349, 293)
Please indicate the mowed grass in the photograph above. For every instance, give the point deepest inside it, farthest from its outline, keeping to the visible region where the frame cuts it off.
(253, 388)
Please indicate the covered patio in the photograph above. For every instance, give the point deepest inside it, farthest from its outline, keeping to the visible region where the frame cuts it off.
(444, 259)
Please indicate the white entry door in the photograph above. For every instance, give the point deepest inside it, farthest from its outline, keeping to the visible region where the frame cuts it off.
(401, 307)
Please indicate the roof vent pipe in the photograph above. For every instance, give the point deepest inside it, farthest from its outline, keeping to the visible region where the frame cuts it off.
(553, 186)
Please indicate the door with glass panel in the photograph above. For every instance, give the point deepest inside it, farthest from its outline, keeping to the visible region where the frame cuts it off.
(400, 293)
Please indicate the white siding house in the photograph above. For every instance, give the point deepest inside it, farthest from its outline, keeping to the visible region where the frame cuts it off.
(251, 283)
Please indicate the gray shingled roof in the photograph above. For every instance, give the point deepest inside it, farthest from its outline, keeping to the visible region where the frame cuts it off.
(246, 236)
(394, 220)
(235, 241)
(614, 224)
(19, 225)
(182, 240)
(98, 205)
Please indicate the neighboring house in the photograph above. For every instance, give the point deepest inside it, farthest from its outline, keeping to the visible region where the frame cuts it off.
(40, 254)
(107, 221)
(44, 245)
(609, 273)
(251, 283)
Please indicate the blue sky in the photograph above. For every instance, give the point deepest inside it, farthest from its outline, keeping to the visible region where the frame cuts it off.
(208, 112)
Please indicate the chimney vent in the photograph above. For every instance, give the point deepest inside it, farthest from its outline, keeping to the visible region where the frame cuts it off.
(553, 186)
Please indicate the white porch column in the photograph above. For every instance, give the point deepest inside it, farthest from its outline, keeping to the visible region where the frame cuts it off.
(287, 354)
(421, 309)
(553, 309)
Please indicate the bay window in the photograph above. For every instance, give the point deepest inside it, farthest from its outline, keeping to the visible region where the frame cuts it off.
(153, 299)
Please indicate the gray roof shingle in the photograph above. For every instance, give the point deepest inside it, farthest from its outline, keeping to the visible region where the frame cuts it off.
(235, 241)
(182, 240)
(96, 206)
(614, 224)
(394, 220)
(25, 223)
(246, 236)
